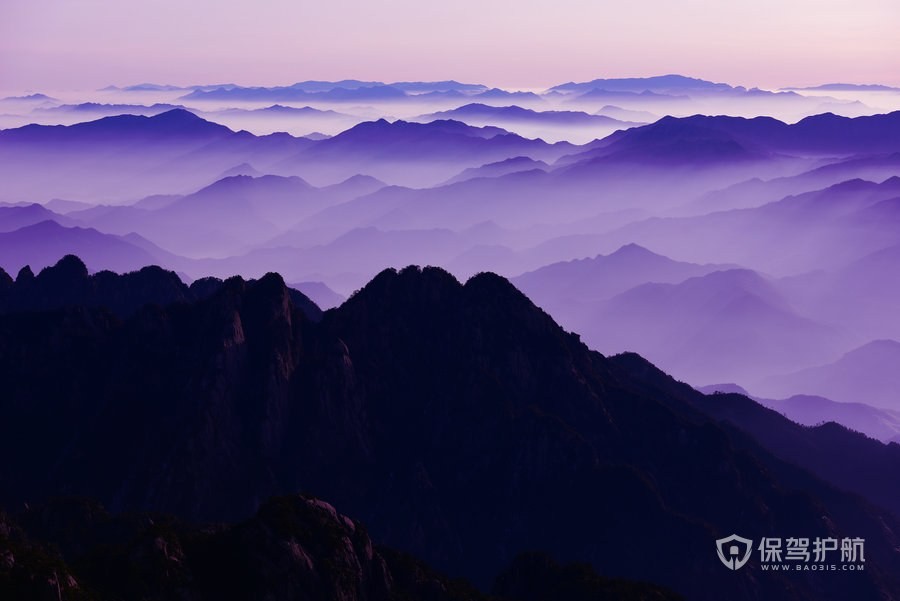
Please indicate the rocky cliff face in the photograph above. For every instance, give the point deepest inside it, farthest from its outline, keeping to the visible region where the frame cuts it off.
(459, 422)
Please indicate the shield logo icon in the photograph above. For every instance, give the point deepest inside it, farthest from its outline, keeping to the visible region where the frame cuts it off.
(734, 551)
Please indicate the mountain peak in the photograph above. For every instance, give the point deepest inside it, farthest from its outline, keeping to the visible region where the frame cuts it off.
(69, 267)
(177, 115)
(25, 275)
(633, 250)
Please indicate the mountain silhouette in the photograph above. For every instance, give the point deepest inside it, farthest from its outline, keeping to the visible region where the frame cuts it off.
(458, 422)
(67, 283)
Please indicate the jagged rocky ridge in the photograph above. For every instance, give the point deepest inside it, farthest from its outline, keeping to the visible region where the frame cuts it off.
(458, 422)
(295, 547)
(68, 284)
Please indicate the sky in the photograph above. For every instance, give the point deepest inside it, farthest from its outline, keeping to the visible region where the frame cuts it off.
(528, 44)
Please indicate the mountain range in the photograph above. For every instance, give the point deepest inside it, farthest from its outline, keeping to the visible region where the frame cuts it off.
(457, 422)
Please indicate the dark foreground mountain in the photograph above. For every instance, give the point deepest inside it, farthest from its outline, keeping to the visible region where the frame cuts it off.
(458, 422)
(68, 284)
(295, 547)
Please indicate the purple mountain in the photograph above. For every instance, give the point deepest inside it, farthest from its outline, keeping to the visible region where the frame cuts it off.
(498, 94)
(439, 150)
(807, 410)
(227, 216)
(868, 374)
(814, 230)
(122, 157)
(560, 286)
(699, 140)
(43, 244)
(757, 192)
(102, 109)
(323, 296)
(500, 168)
(729, 325)
(301, 93)
(19, 216)
(661, 83)
(500, 114)
(604, 95)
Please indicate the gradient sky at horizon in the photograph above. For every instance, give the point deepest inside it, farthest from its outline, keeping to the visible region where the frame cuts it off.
(81, 44)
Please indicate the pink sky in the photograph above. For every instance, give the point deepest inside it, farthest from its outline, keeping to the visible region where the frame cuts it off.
(54, 44)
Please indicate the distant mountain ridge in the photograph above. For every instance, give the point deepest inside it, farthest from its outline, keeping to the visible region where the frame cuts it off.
(661, 83)
(866, 374)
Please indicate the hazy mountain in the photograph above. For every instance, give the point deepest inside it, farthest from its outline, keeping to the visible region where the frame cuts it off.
(95, 109)
(867, 374)
(438, 149)
(298, 121)
(849, 87)
(881, 424)
(507, 166)
(63, 206)
(42, 98)
(622, 114)
(227, 216)
(573, 126)
(242, 169)
(358, 253)
(300, 93)
(42, 244)
(757, 192)
(499, 94)
(319, 293)
(177, 124)
(457, 421)
(126, 157)
(420, 87)
(813, 230)
(562, 289)
(486, 114)
(807, 410)
(662, 83)
(604, 95)
(729, 325)
(863, 293)
(13, 217)
(281, 110)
